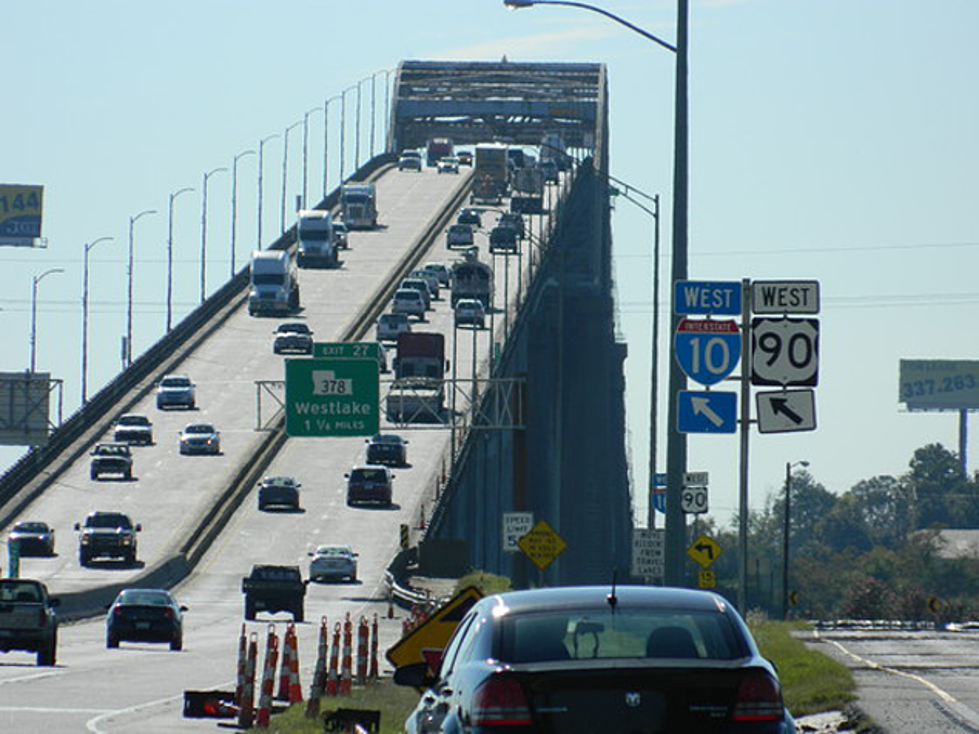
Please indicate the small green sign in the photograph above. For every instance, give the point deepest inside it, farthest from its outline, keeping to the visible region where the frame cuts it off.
(347, 350)
(332, 397)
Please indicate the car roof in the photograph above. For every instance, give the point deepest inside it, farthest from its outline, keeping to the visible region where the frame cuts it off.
(386, 438)
(321, 549)
(202, 426)
(278, 480)
(596, 597)
(402, 292)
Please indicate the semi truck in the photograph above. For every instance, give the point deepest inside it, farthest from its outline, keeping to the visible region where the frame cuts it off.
(417, 394)
(274, 283)
(316, 240)
(420, 354)
(528, 191)
(438, 148)
(358, 205)
(491, 174)
(471, 278)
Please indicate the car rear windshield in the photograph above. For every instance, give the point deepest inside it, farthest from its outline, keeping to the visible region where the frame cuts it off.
(635, 633)
(368, 475)
(134, 420)
(144, 597)
(31, 527)
(19, 591)
(176, 382)
(108, 521)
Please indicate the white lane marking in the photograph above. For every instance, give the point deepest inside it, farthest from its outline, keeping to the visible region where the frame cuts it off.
(92, 725)
(32, 676)
(47, 710)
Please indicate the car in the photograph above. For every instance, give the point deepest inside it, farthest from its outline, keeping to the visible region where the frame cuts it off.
(459, 236)
(369, 484)
(33, 538)
(294, 337)
(133, 428)
(388, 449)
(111, 458)
(279, 491)
(420, 285)
(389, 325)
(448, 164)
(333, 562)
(441, 271)
(107, 535)
(434, 287)
(409, 302)
(471, 217)
(513, 220)
(600, 658)
(503, 239)
(410, 160)
(176, 391)
(471, 312)
(342, 233)
(200, 438)
(145, 615)
(465, 157)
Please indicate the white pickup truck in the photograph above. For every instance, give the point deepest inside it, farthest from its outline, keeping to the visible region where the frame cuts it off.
(27, 619)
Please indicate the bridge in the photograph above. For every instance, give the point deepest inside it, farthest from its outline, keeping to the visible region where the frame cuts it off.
(552, 335)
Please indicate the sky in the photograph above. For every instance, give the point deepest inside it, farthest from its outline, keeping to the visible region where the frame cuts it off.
(830, 140)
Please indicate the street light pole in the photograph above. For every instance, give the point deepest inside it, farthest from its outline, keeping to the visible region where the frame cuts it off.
(326, 144)
(261, 166)
(285, 175)
(204, 232)
(170, 255)
(343, 131)
(306, 148)
(37, 279)
(234, 204)
(129, 300)
(785, 535)
(88, 248)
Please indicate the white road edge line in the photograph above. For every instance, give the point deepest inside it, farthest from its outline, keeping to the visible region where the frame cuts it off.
(92, 725)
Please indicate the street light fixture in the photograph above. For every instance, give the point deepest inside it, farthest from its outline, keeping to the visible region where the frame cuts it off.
(37, 279)
(173, 196)
(785, 535)
(88, 248)
(306, 147)
(234, 204)
(129, 300)
(204, 231)
(285, 174)
(676, 444)
(261, 166)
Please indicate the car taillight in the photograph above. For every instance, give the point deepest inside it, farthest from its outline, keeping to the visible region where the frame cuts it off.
(500, 701)
(759, 699)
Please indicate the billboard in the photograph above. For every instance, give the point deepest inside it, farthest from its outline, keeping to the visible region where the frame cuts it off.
(20, 215)
(24, 405)
(939, 384)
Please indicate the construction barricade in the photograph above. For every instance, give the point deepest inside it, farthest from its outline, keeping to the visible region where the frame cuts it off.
(317, 688)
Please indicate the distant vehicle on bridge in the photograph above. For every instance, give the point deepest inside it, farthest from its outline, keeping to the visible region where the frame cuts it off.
(274, 283)
(358, 204)
(420, 354)
(492, 173)
(472, 279)
(437, 149)
(316, 240)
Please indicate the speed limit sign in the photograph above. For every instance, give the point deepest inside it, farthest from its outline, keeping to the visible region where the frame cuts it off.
(693, 500)
(784, 351)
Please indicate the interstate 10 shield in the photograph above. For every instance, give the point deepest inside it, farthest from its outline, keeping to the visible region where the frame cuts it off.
(707, 350)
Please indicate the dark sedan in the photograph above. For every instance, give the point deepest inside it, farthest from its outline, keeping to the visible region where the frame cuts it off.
(145, 615)
(33, 538)
(387, 448)
(590, 659)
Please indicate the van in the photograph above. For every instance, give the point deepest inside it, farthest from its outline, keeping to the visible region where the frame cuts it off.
(408, 301)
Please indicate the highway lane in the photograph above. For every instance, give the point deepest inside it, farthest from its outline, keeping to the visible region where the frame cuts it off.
(138, 688)
(171, 492)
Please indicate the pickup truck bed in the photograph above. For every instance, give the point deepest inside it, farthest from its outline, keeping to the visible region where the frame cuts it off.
(27, 619)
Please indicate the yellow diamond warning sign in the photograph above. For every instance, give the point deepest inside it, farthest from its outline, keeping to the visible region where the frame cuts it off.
(704, 551)
(426, 642)
(542, 545)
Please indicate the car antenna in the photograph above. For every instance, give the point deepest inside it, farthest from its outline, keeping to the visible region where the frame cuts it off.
(612, 599)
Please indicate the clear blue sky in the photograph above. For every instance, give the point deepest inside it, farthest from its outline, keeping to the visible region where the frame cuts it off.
(830, 140)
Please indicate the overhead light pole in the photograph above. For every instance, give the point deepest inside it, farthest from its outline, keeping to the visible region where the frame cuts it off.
(785, 534)
(326, 143)
(676, 459)
(234, 204)
(306, 148)
(261, 187)
(129, 300)
(204, 231)
(88, 248)
(285, 174)
(343, 131)
(37, 279)
(173, 197)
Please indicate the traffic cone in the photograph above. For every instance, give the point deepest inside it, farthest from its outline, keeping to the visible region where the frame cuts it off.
(318, 686)
(287, 652)
(332, 677)
(373, 673)
(346, 663)
(362, 643)
(421, 517)
(295, 692)
(264, 714)
(391, 605)
(246, 710)
(242, 664)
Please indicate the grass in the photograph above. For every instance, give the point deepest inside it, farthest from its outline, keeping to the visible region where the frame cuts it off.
(811, 681)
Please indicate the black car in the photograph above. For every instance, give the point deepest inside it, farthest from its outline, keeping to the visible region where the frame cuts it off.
(107, 535)
(597, 659)
(145, 615)
(503, 239)
(33, 538)
(470, 216)
(387, 448)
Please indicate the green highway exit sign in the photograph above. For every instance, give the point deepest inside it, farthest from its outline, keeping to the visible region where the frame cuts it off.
(332, 396)
(347, 350)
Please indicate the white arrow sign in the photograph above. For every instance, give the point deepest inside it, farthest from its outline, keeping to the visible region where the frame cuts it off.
(701, 406)
(786, 411)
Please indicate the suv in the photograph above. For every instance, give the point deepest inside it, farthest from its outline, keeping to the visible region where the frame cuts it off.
(459, 235)
(112, 458)
(388, 449)
(409, 302)
(370, 483)
(389, 325)
(410, 160)
(420, 285)
(503, 239)
(134, 428)
(175, 390)
(294, 336)
(470, 311)
(107, 535)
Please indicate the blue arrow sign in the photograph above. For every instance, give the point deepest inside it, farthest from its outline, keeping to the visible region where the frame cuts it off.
(707, 412)
(698, 298)
(707, 350)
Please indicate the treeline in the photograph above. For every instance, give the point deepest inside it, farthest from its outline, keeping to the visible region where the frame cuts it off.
(871, 552)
